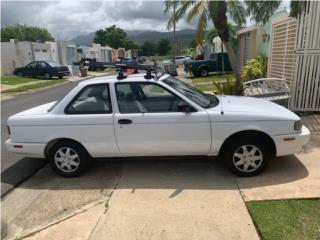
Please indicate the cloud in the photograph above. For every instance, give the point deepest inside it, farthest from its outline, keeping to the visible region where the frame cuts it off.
(68, 18)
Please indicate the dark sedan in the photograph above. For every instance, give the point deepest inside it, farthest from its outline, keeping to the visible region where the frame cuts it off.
(45, 69)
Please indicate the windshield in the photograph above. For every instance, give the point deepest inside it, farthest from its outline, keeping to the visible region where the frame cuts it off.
(200, 98)
(54, 64)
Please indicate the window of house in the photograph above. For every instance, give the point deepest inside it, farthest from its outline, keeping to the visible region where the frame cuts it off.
(92, 99)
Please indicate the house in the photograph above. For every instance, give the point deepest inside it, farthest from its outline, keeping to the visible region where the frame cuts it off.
(19, 54)
(100, 53)
(250, 42)
(255, 40)
(67, 52)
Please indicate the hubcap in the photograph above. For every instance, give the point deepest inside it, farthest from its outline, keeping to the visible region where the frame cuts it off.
(247, 158)
(66, 159)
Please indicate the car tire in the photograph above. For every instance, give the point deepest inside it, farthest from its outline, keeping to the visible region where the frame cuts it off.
(203, 72)
(60, 76)
(20, 74)
(68, 159)
(47, 76)
(247, 156)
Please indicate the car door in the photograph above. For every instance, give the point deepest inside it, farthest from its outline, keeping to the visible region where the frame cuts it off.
(89, 118)
(148, 122)
(30, 69)
(42, 68)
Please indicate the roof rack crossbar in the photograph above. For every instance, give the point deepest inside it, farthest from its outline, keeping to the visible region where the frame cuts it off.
(148, 68)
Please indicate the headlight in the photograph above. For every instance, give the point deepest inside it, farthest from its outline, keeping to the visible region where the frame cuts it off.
(297, 125)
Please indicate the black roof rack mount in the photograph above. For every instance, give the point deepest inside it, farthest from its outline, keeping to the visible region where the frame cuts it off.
(155, 69)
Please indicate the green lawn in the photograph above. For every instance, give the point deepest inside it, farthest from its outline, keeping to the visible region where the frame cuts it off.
(34, 86)
(287, 219)
(14, 80)
(204, 88)
(210, 78)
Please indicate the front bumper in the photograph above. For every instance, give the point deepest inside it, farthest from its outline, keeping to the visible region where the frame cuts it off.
(26, 149)
(291, 143)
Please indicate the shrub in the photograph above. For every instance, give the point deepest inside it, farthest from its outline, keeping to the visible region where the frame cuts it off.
(255, 68)
(228, 87)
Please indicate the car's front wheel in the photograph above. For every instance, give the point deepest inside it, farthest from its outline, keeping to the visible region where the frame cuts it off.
(247, 156)
(68, 159)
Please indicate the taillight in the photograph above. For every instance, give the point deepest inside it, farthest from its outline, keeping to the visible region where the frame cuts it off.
(8, 129)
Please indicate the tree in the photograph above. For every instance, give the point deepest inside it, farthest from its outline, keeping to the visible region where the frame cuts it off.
(114, 37)
(163, 46)
(148, 48)
(193, 44)
(25, 33)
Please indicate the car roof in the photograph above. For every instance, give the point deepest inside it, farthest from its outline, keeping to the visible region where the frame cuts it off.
(131, 77)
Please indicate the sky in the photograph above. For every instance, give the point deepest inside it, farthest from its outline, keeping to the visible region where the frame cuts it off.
(68, 18)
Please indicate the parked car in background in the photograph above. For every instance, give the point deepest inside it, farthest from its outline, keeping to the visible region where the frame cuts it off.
(144, 115)
(46, 69)
(92, 64)
(218, 62)
(182, 59)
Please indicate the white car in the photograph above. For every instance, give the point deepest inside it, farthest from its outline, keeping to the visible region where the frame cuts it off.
(135, 116)
(181, 59)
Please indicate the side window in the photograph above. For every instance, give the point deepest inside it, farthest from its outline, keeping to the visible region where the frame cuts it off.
(41, 65)
(32, 65)
(92, 99)
(144, 97)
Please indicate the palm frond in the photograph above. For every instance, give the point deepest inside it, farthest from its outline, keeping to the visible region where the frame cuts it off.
(201, 27)
(196, 10)
(237, 11)
(297, 7)
(261, 11)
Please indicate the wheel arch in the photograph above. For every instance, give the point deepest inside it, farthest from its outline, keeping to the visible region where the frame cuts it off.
(255, 133)
(53, 142)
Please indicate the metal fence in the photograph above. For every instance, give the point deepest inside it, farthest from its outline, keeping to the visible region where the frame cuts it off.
(305, 88)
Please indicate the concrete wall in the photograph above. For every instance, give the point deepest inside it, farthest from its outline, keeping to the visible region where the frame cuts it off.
(15, 54)
(67, 52)
(54, 51)
(41, 51)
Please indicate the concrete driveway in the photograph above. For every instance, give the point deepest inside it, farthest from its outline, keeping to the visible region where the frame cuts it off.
(177, 198)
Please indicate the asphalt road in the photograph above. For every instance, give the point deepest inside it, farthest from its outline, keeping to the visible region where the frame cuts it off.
(15, 169)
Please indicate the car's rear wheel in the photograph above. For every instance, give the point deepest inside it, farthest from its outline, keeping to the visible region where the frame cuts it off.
(68, 159)
(204, 72)
(60, 76)
(20, 74)
(47, 76)
(247, 155)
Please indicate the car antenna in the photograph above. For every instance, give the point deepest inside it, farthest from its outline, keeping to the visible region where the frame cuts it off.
(221, 106)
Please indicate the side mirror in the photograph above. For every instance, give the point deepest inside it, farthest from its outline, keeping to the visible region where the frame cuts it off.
(185, 107)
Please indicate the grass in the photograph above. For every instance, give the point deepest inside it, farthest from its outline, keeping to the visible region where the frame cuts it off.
(205, 83)
(34, 86)
(14, 80)
(287, 219)
(205, 88)
(210, 78)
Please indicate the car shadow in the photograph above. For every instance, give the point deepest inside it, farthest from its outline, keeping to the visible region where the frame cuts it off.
(165, 173)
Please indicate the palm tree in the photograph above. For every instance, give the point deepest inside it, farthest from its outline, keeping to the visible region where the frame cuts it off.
(216, 11)
(212, 33)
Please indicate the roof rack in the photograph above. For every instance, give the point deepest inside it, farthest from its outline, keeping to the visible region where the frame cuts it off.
(155, 69)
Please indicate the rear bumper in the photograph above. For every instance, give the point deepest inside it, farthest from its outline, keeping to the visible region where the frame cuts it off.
(291, 143)
(26, 149)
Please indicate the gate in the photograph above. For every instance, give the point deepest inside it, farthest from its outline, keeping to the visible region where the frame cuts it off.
(305, 88)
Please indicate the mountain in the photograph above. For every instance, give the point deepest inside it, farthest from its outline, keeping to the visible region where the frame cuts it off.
(184, 37)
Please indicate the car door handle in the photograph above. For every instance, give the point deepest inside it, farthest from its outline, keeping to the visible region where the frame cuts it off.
(124, 121)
